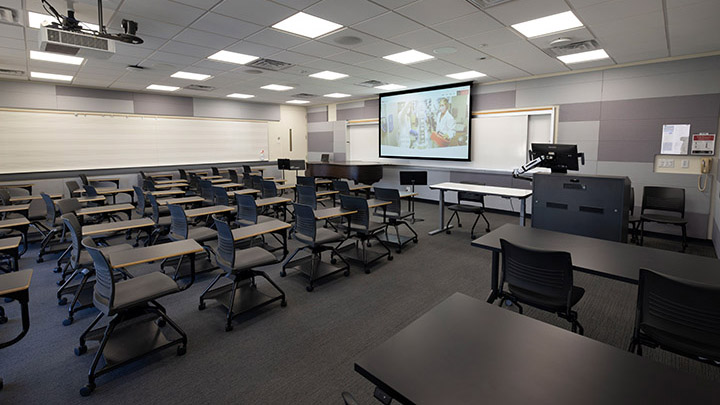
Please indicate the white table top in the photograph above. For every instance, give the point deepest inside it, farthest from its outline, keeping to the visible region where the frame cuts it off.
(487, 190)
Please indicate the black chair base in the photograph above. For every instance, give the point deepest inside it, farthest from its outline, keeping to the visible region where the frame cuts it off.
(314, 268)
(456, 215)
(129, 336)
(575, 325)
(361, 254)
(397, 239)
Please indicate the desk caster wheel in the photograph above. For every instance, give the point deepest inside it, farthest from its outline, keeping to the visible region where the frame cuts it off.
(283, 303)
(310, 288)
(367, 271)
(398, 251)
(56, 270)
(60, 282)
(62, 301)
(390, 258)
(283, 273)
(473, 237)
(181, 350)
(228, 328)
(40, 260)
(160, 322)
(448, 232)
(80, 350)
(346, 273)
(459, 225)
(68, 321)
(333, 260)
(3, 319)
(87, 390)
(201, 306)
(1, 384)
(415, 240)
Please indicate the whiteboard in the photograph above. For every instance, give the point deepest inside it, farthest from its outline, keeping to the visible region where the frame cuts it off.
(45, 141)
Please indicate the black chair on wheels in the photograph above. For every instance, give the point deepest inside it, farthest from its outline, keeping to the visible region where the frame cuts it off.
(317, 240)
(239, 265)
(668, 199)
(469, 202)
(542, 279)
(395, 216)
(363, 229)
(126, 303)
(677, 316)
(633, 220)
(180, 230)
(55, 226)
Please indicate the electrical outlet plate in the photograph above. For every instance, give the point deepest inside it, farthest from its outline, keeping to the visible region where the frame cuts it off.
(685, 163)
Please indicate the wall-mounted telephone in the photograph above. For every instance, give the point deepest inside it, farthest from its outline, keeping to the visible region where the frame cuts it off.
(705, 167)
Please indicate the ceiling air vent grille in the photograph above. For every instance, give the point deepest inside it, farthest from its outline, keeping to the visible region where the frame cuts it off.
(12, 72)
(199, 87)
(371, 83)
(269, 64)
(304, 95)
(483, 4)
(575, 47)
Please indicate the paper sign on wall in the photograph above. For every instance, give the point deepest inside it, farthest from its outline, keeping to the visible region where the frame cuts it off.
(703, 144)
(675, 139)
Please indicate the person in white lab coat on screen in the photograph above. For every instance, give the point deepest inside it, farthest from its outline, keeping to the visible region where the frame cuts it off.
(445, 120)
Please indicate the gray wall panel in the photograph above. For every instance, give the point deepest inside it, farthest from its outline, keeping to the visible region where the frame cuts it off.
(362, 113)
(15, 94)
(320, 141)
(716, 238)
(493, 101)
(317, 117)
(235, 109)
(704, 105)
(70, 103)
(93, 93)
(651, 129)
(156, 104)
(627, 151)
(580, 111)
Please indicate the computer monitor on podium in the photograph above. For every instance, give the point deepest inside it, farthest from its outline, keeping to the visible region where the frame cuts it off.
(559, 158)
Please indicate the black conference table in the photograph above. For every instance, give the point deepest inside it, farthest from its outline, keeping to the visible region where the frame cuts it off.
(465, 351)
(615, 260)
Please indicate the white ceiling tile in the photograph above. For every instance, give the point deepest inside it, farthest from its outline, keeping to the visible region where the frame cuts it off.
(378, 64)
(13, 43)
(297, 4)
(518, 11)
(498, 69)
(576, 35)
(526, 57)
(492, 38)
(256, 11)
(591, 64)
(440, 67)
(11, 31)
(275, 38)
(431, 12)
(7, 53)
(203, 4)
(316, 48)
(251, 48)
(393, 4)
(124, 49)
(150, 42)
(337, 38)
(203, 38)
(419, 38)
(182, 48)
(350, 57)
(292, 57)
(467, 25)
(694, 28)
(387, 25)
(345, 12)
(147, 26)
(584, 3)
(162, 10)
(173, 59)
(380, 48)
(617, 9)
(226, 26)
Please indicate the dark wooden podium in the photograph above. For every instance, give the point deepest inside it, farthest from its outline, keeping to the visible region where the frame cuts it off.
(360, 172)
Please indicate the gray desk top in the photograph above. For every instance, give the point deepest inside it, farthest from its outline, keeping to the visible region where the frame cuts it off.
(181, 200)
(488, 190)
(131, 257)
(15, 281)
(108, 227)
(9, 223)
(251, 231)
(215, 209)
(261, 202)
(103, 209)
(10, 243)
(333, 212)
(244, 191)
(14, 208)
(616, 260)
(465, 351)
(374, 203)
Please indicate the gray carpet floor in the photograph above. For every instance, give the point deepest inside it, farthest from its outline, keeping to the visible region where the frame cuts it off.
(301, 354)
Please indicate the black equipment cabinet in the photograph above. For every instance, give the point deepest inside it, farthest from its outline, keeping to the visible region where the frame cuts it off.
(587, 205)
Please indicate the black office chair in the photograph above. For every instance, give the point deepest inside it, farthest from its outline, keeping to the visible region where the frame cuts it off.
(55, 226)
(667, 199)
(215, 171)
(72, 185)
(395, 216)
(473, 203)
(161, 217)
(633, 220)
(269, 189)
(542, 279)
(363, 229)
(126, 302)
(239, 265)
(306, 181)
(149, 185)
(307, 195)
(317, 240)
(257, 182)
(247, 169)
(341, 186)
(141, 207)
(183, 174)
(84, 180)
(234, 177)
(81, 265)
(206, 192)
(247, 211)
(677, 316)
(181, 230)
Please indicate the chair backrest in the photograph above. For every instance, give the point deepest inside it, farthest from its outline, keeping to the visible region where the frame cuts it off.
(470, 196)
(688, 312)
(246, 208)
(220, 196)
(178, 222)
(72, 185)
(269, 189)
(306, 195)
(75, 230)
(247, 180)
(246, 169)
(68, 205)
(206, 189)
(547, 273)
(305, 223)
(325, 157)
(143, 175)
(149, 184)
(84, 179)
(50, 210)
(389, 194)
(4, 197)
(225, 254)
(155, 208)
(632, 200)
(183, 174)
(91, 191)
(257, 182)
(194, 182)
(341, 186)
(140, 207)
(306, 180)
(664, 199)
(234, 176)
(215, 171)
(353, 203)
(104, 290)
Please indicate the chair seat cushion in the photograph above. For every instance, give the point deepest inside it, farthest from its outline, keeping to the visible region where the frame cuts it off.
(260, 220)
(139, 290)
(395, 215)
(164, 221)
(466, 208)
(252, 257)
(371, 228)
(322, 236)
(663, 219)
(552, 304)
(202, 234)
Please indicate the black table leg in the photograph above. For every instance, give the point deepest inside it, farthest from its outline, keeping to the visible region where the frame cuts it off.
(494, 277)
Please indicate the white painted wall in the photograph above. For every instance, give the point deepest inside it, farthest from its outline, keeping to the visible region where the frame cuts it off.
(295, 118)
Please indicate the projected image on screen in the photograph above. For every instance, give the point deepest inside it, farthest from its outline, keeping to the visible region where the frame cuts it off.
(426, 124)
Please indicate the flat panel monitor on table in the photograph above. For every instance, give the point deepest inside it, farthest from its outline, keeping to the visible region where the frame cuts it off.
(428, 123)
(559, 158)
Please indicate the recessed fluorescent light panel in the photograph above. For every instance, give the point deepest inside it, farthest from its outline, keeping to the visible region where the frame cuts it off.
(328, 75)
(37, 20)
(232, 57)
(51, 76)
(55, 57)
(162, 88)
(548, 25)
(391, 87)
(190, 76)
(240, 95)
(584, 56)
(411, 56)
(471, 74)
(276, 87)
(337, 95)
(297, 102)
(306, 25)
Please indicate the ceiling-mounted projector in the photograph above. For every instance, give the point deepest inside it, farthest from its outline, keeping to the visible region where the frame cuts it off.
(67, 35)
